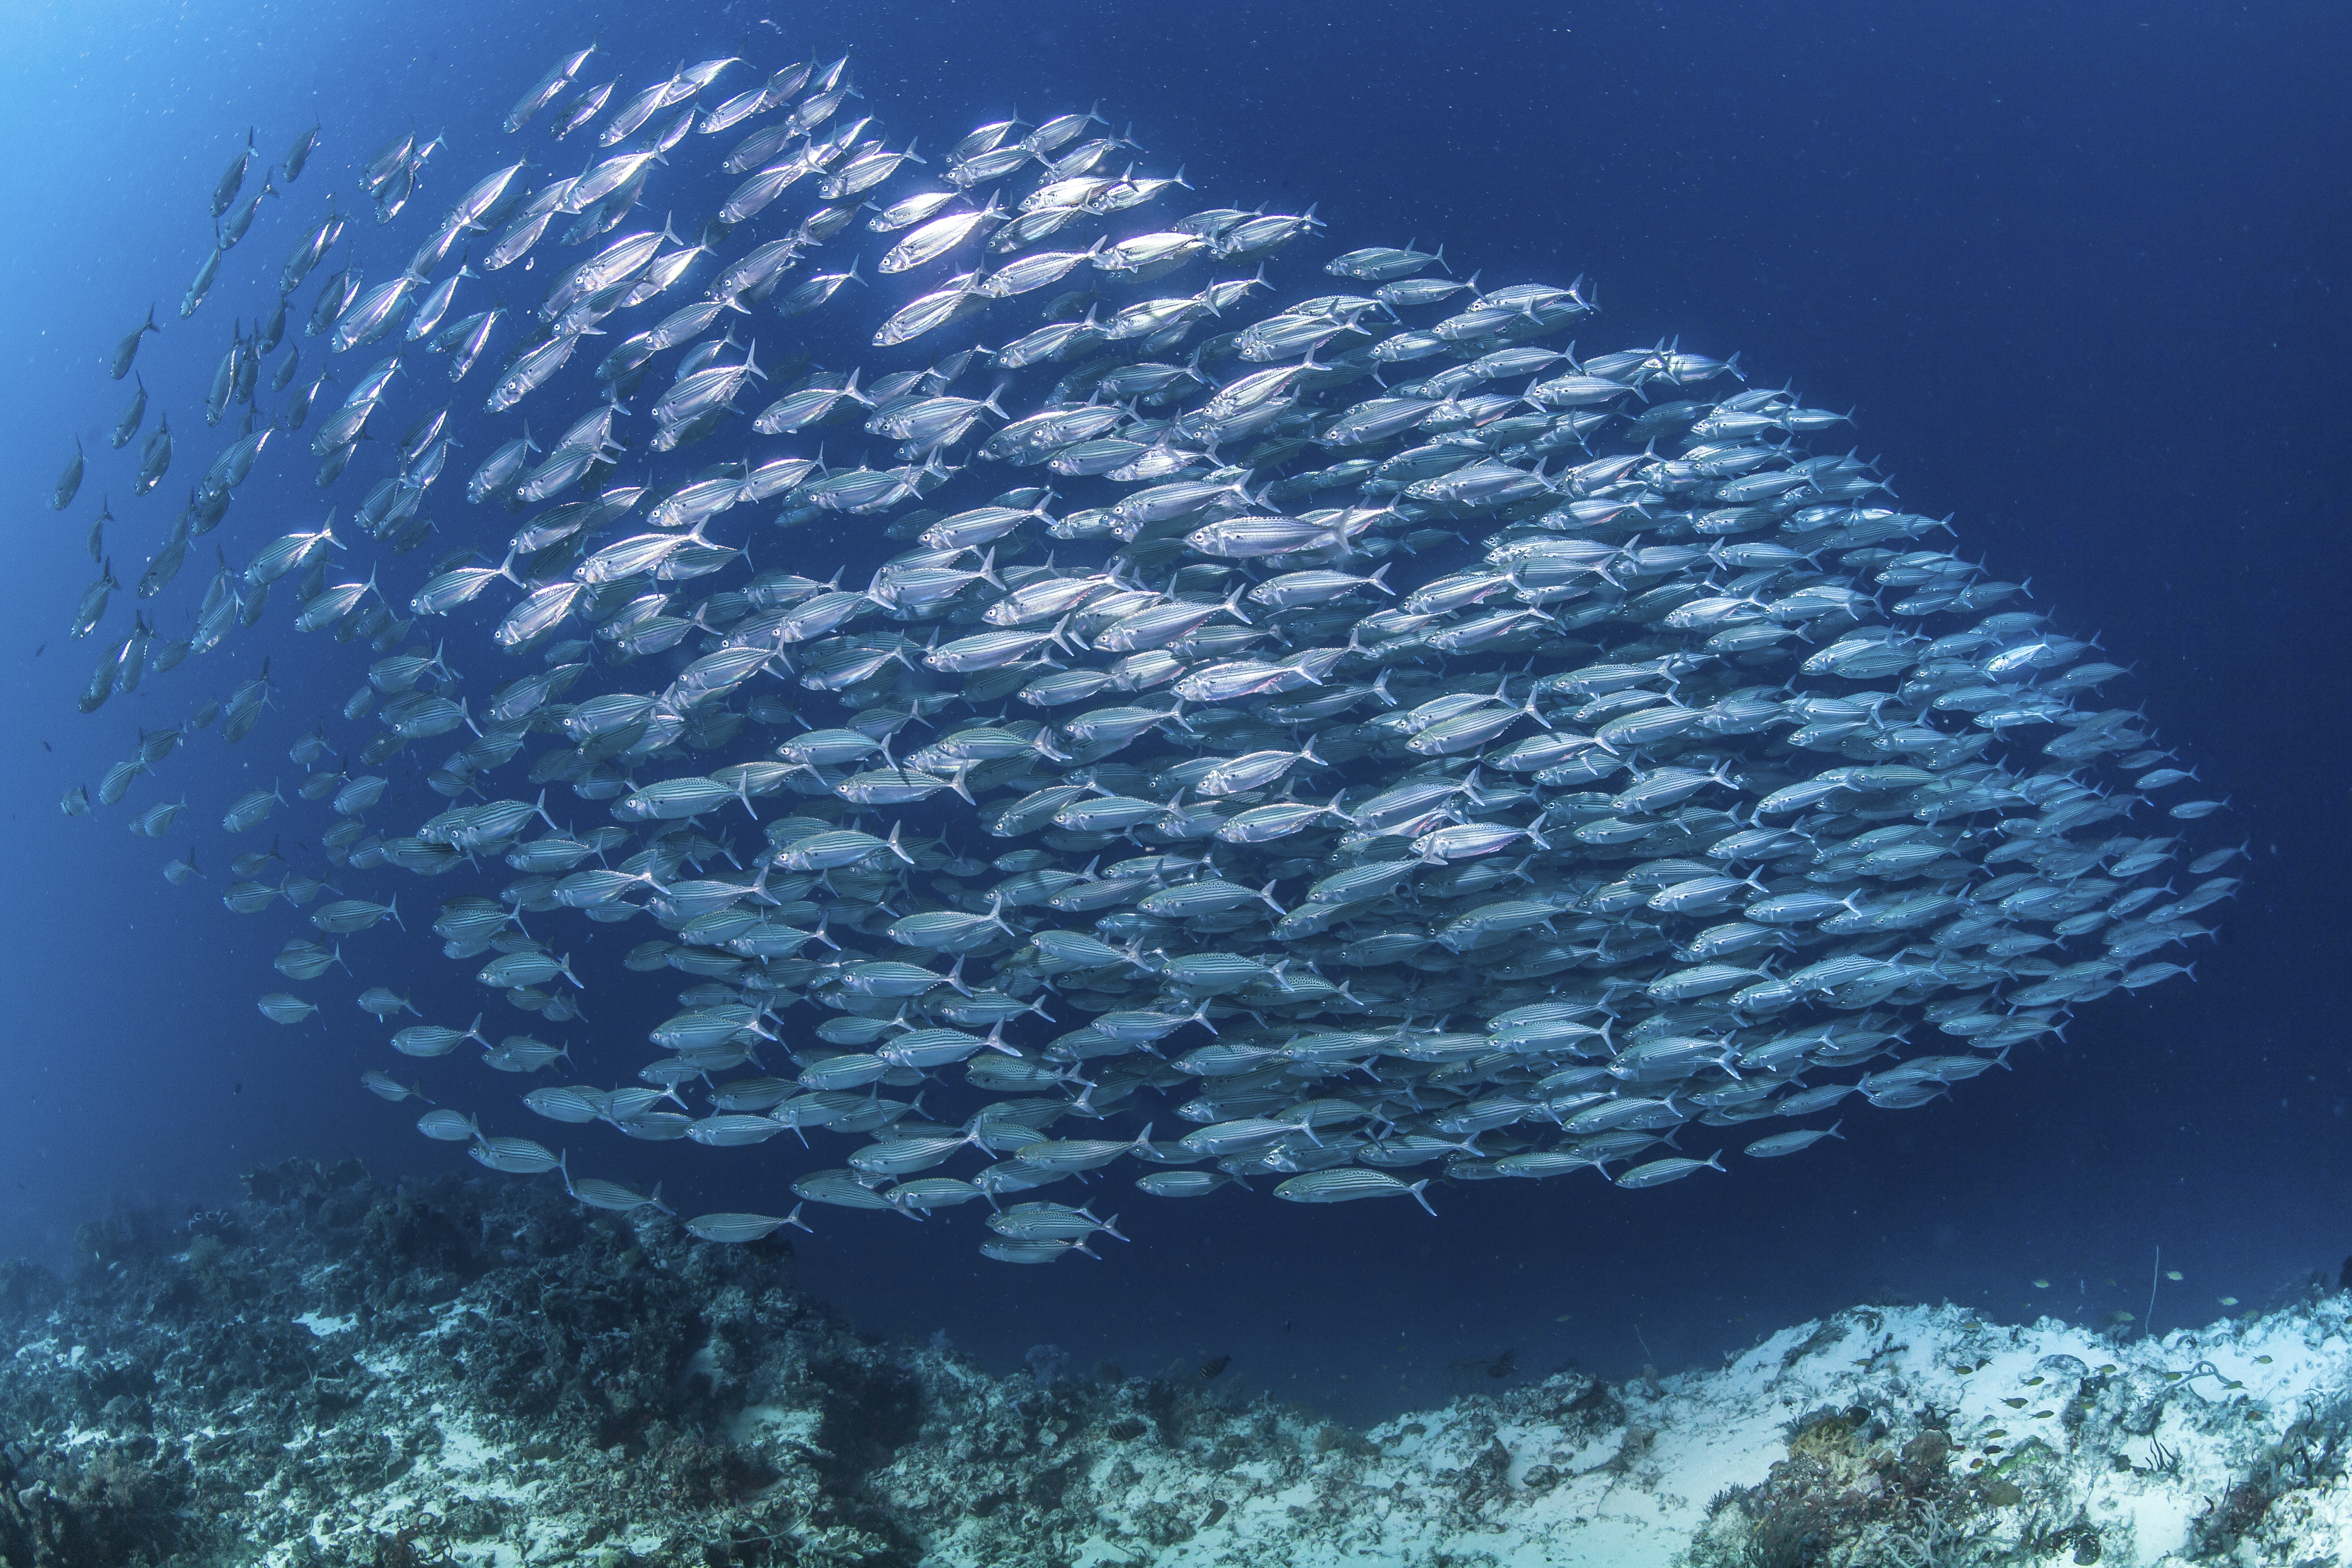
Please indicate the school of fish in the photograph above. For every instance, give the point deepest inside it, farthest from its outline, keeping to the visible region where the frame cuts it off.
(1346, 745)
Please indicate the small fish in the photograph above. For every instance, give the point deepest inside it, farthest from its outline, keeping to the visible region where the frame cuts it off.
(225, 189)
(1782, 1144)
(447, 1126)
(299, 960)
(281, 1009)
(1668, 1170)
(383, 1001)
(127, 350)
(1025, 1249)
(599, 1193)
(202, 284)
(297, 157)
(433, 1040)
(347, 915)
(1347, 1184)
(516, 1156)
(546, 88)
(69, 482)
(388, 1087)
(740, 1228)
(251, 810)
(128, 426)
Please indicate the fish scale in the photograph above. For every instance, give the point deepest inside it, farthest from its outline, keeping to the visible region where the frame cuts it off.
(1447, 866)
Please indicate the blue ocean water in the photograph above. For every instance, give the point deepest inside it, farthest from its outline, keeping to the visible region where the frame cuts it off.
(2082, 274)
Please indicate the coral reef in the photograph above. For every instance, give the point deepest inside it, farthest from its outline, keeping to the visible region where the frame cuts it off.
(342, 1372)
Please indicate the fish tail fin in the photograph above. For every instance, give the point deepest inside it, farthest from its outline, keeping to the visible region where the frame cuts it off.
(1417, 1189)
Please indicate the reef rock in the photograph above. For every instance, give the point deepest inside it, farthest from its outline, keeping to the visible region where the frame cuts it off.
(342, 1372)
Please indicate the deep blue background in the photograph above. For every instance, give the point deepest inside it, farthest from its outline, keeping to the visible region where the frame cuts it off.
(2082, 270)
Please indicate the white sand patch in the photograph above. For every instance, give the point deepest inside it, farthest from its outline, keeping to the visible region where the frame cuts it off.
(2134, 1440)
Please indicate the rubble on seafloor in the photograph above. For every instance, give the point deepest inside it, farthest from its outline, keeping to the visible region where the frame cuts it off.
(340, 1371)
